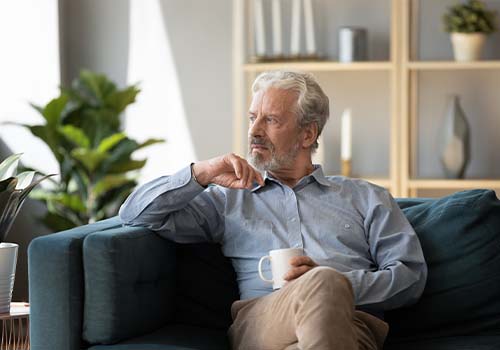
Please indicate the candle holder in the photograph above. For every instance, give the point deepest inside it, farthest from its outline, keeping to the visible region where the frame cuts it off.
(345, 167)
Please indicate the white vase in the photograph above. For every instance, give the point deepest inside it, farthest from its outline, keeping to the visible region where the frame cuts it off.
(467, 46)
(8, 260)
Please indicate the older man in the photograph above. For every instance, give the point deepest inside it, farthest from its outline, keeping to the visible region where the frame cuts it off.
(361, 255)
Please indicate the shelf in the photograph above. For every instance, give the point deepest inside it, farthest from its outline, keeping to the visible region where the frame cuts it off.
(454, 184)
(453, 65)
(323, 66)
(379, 181)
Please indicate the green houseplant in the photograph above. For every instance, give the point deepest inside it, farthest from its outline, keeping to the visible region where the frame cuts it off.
(13, 191)
(82, 128)
(469, 24)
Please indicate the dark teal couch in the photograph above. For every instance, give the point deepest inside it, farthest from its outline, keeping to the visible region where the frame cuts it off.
(108, 287)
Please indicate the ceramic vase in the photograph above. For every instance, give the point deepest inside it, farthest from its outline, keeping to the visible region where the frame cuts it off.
(8, 260)
(455, 148)
(467, 46)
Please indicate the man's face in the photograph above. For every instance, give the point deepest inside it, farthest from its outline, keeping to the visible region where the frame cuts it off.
(273, 133)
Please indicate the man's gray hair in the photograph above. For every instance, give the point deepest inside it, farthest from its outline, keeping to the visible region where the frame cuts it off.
(312, 105)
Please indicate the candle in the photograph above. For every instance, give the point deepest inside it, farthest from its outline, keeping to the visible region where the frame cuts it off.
(277, 45)
(260, 39)
(309, 24)
(295, 31)
(346, 135)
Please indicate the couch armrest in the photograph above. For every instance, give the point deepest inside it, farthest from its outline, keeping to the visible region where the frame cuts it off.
(129, 284)
(56, 287)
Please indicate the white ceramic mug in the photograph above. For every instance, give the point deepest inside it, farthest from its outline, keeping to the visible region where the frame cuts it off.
(280, 265)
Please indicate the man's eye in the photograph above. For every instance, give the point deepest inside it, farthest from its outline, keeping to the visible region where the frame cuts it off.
(251, 119)
(270, 120)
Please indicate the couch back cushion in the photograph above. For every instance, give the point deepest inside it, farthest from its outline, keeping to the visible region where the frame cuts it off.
(129, 284)
(460, 237)
(205, 286)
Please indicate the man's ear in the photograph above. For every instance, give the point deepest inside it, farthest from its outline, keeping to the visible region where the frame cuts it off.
(309, 135)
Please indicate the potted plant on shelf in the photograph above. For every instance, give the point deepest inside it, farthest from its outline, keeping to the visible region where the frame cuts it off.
(469, 24)
(13, 191)
(82, 128)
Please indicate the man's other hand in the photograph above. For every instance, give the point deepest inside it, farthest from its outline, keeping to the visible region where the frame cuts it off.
(228, 170)
(300, 265)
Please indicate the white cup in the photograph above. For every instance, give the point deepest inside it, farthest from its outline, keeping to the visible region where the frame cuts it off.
(280, 265)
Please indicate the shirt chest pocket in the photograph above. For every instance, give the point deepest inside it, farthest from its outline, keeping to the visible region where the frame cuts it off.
(344, 234)
(248, 237)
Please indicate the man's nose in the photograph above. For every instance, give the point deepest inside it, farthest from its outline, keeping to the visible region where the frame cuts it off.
(255, 128)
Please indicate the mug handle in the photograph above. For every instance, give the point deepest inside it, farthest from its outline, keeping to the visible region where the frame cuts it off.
(260, 269)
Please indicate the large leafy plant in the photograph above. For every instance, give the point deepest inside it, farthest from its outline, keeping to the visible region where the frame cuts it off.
(13, 191)
(470, 17)
(82, 128)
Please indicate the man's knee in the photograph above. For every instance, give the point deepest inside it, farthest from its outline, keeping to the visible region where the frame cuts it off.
(327, 277)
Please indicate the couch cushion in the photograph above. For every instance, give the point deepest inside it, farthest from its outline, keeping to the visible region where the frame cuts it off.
(206, 286)
(129, 284)
(174, 337)
(460, 237)
(448, 343)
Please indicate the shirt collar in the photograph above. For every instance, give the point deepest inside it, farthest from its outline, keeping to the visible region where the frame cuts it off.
(317, 175)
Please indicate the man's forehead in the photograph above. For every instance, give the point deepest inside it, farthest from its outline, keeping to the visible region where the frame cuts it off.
(274, 99)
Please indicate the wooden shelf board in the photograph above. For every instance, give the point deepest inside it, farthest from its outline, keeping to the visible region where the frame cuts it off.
(383, 182)
(453, 65)
(454, 184)
(325, 66)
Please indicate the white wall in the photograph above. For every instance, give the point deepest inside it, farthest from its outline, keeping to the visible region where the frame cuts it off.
(96, 36)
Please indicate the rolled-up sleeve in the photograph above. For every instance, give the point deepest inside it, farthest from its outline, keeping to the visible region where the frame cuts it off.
(177, 208)
(401, 272)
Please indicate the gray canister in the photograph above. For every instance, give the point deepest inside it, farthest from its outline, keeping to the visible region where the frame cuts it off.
(352, 44)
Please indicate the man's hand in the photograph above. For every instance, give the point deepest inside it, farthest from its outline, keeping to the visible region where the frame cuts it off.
(228, 170)
(300, 265)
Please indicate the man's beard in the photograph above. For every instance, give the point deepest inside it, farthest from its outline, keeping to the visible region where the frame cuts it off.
(277, 161)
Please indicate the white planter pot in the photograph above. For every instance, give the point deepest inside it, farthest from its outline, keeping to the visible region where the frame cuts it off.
(8, 260)
(467, 46)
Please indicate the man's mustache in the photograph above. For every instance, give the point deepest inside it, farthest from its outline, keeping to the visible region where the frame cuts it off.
(260, 141)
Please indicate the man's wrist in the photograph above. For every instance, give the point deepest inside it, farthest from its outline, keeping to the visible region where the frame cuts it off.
(193, 175)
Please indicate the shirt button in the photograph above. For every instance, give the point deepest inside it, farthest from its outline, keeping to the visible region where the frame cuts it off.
(294, 219)
(347, 226)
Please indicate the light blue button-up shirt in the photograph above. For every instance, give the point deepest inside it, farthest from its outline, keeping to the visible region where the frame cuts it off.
(348, 224)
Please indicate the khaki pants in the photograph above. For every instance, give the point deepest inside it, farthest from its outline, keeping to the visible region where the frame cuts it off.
(314, 312)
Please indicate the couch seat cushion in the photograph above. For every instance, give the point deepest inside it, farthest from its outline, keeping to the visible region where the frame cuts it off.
(174, 337)
(449, 343)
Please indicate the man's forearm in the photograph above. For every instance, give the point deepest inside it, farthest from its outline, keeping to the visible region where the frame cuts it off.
(148, 205)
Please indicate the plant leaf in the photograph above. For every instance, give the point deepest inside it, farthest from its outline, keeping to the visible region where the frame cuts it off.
(109, 182)
(109, 142)
(9, 213)
(50, 137)
(72, 201)
(8, 184)
(27, 190)
(52, 111)
(119, 100)
(9, 166)
(57, 222)
(75, 135)
(127, 166)
(24, 179)
(150, 142)
(89, 158)
(97, 85)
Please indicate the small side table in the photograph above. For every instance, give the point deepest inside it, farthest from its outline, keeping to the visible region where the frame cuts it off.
(15, 327)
